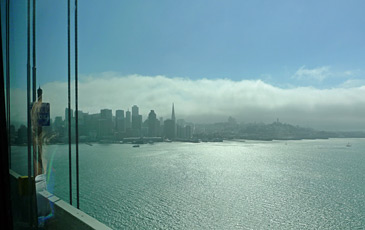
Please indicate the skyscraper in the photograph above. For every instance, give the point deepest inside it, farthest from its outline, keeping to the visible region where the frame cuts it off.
(153, 124)
(135, 110)
(119, 121)
(119, 113)
(136, 121)
(128, 124)
(128, 120)
(106, 114)
(105, 123)
(66, 114)
(170, 125)
(173, 118)
(173, 113)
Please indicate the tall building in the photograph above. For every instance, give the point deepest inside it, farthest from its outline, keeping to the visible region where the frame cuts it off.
(173, 118)
(80, 116)
(92, 124)
(66, 115)
(135, 110)
(128, 120)
(170, 125)
(105, 123)
(72, 122)
(119, 121)
(153, 124)
(136, 121)
(119, 113)
(173, 113)
(83, 128)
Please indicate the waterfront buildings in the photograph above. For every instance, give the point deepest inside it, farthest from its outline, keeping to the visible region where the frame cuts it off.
(119, 121)
(103, 126)
(153, 124)
(136, 121)
(128, 124)
(170, 125)
(105, 129)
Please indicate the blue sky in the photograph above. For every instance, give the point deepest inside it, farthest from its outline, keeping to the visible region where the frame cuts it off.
(301, 61)
(222, 39)
(268, 40)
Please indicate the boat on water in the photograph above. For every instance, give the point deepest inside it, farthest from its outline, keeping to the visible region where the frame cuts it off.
(88, 143)
(348, 144)
(135, 146)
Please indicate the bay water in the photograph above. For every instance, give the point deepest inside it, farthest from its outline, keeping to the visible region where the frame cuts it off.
(307, 184)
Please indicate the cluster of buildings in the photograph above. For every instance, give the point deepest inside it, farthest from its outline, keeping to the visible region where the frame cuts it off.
(121, 125)
(128, 126)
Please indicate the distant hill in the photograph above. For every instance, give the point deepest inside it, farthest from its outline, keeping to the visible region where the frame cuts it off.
(261, 131)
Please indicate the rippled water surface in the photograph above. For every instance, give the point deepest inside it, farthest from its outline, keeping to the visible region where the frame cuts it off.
(312, 184)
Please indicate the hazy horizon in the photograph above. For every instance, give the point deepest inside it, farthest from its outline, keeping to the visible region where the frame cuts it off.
(210, 100)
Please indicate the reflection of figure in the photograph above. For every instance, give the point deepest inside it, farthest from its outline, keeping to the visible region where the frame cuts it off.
(37, 135)
(43, 205)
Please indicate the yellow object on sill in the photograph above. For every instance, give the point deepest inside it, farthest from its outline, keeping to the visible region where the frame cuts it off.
(23, 186)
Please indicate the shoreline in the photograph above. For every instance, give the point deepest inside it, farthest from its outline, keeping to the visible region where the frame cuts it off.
(195, 142)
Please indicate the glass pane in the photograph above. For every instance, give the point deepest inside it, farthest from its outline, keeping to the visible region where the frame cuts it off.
(200, 114)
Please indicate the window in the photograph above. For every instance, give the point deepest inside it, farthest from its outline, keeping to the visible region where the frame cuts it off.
(191, 114)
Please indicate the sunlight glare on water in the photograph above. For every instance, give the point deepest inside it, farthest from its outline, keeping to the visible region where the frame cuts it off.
(231, 185)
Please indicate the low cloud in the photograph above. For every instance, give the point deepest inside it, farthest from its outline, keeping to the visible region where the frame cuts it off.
(350, 83)
(317, 74)
(207, 100)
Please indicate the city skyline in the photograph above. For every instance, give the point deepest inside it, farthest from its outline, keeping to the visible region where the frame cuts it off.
(126, 128)
(115, 127)
(209, 101)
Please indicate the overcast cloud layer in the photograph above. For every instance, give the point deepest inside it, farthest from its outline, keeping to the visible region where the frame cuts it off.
(205, 101)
